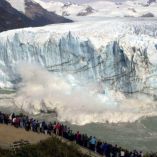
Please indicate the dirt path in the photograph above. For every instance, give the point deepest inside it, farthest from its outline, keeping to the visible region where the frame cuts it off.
(9, 134)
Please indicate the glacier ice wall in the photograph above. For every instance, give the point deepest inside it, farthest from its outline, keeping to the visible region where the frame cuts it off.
(118, 55)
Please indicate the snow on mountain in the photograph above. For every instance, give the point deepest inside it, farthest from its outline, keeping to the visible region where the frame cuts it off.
(105, 8)
(18, 5)
(66, 9)
(124, 9)
(145, 2)
(51, 6)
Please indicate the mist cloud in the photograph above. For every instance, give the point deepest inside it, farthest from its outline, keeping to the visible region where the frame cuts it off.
(42, 90)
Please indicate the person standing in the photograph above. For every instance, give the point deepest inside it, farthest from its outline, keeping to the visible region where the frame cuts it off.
(93, 143)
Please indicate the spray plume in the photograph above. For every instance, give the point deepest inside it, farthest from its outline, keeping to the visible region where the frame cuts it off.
(42, 90)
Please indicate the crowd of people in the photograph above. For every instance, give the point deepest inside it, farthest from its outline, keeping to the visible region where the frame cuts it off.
(89, 142)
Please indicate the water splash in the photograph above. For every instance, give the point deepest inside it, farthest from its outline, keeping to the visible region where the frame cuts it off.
(42, 90)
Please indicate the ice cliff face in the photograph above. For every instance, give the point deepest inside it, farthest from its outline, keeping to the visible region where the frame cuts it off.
(119, 55)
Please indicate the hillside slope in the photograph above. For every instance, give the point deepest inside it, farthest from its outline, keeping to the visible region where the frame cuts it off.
(8, 135)
(10, 18)
(41, 16)
(45, 147)
(35, 15)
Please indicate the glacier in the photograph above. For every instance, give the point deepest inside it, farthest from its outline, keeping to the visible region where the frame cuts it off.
(122, 55)
(117, 56)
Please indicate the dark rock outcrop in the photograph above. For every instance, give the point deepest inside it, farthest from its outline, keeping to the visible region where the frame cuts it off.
(41, 16)
(148, 15)
(35, 15)
(87, 11)
(10, 18)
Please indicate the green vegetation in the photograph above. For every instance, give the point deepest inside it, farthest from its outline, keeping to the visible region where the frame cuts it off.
(5, 153)
(52, 147)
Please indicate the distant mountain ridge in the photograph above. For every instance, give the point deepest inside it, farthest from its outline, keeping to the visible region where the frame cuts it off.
(33, 15)
(106, 8)
(67, 9)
